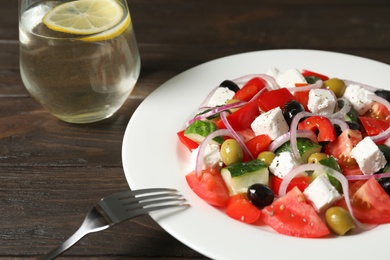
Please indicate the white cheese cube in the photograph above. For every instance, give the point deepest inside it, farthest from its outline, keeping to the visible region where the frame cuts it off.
(322, 102)
(282, 164)
(288, 78)
(368, 156)
(321, 193)
(211, 157)
(220, 96)
(357, 96)
(271, 123)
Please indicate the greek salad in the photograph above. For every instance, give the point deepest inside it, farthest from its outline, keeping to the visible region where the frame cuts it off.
(304, 153)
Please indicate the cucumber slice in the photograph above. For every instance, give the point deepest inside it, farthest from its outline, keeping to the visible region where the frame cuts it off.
(306, 147)
(198, 130)
(331, 162)
(239, 176)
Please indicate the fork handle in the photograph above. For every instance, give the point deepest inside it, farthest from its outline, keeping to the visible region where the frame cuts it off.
(93, 222)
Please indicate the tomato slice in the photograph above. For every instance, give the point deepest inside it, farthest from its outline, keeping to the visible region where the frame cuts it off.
(300, 181)
(274, 98)
(371, 204)
(210, 187)
(341, 149)
(373, 126)
(258, 144)
(320, 124)
(308, 73)
(291, 215)
(240, 208)
(379, 111)
(250, 89)
(190, 144)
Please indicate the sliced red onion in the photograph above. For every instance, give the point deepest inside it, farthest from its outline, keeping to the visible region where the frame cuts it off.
(202, 148)
(368, 87)
(315, 85)
(341, 123)
(286, 137)
(272, 84)
(322, 168)
(385, 134)
(368, 176)
(293, 133)
(343, 111)
(216, 110)
(235, 135)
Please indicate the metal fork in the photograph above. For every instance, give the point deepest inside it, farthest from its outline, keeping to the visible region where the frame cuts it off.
(119, 207)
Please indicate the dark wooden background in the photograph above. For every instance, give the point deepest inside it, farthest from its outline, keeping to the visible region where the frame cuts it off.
(52, 172)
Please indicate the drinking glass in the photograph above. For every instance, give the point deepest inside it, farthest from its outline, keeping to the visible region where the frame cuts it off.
(79, 76)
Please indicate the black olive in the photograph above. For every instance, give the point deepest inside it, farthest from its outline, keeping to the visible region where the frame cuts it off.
(338, 129)
(260, 195)
(383, 93)
(290, 109)
(230, 85)
(385, 183)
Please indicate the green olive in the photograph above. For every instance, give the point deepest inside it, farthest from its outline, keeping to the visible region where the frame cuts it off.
(336, 85)
(316, 157)
(339, 220)
(267, 157)
(231, 152)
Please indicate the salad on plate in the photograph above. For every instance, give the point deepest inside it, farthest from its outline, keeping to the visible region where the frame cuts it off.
(299, 151)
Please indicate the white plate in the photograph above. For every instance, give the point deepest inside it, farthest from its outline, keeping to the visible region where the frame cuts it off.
(152, 157)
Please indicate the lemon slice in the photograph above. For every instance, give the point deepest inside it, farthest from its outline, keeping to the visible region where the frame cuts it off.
(84, 17)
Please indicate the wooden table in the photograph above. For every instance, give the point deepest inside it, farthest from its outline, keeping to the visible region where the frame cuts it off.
(52, 172)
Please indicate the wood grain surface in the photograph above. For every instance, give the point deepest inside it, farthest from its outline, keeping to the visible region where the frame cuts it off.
(52, 172)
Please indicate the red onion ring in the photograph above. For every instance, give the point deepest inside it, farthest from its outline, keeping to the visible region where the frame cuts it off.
(366, 177)
(343, 111)
(235, 135)
(216, 110)
(339, 176)
(342, 124)
(202, 148)
(286, 137)
(293, 133)
(272, 84)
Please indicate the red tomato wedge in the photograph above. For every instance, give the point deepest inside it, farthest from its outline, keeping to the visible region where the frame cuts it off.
(191, 145)
(291, 215)
(274, 98)
(258, 144)
(373, 126)
(301, 182)
(371, 204)
(341, 149)
(240, 208)
(320, 124)
(250, 89)
(210, 187)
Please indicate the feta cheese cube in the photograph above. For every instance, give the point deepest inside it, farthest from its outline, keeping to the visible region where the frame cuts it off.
(321, 193)
(220, 96)
(288, 78)
(271, 123)
(211, 157)
(322, 102)
(368, 156)
(282, 164)
(357, 96)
